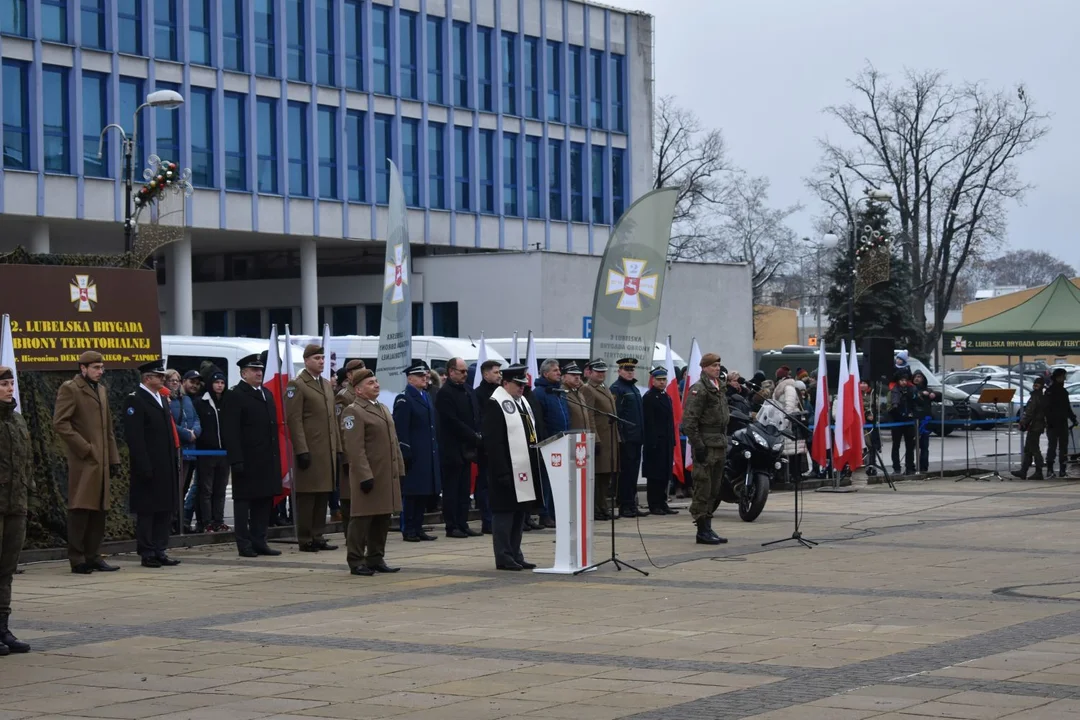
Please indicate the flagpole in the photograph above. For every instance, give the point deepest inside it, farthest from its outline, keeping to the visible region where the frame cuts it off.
(282, 370)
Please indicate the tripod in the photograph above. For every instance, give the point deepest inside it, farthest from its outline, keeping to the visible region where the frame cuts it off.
(875, 452)
(968, 474)
(614, 559)
(796, 535)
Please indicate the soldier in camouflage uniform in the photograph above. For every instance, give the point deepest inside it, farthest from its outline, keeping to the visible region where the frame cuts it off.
(705, 422)
(16, 478)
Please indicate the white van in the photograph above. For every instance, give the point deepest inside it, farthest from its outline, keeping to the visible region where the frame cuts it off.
(434, 350)
(187, 352)
(567, 349)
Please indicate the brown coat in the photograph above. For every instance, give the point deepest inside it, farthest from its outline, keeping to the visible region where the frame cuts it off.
(372, 453)
(83, 420)
(580, 417)
(607, 429)
(309, 411)
(342, 400)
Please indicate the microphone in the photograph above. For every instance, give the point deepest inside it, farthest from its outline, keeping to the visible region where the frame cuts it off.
(560, 391)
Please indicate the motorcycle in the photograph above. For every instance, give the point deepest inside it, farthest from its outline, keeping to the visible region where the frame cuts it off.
(755, 455)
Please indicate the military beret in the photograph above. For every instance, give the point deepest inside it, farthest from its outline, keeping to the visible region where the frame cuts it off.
(361, 376)
(313, 349)
(354, 364)
(90, 357)
(709, 359)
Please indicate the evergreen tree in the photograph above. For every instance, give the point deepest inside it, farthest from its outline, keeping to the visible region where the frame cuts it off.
(885, 309)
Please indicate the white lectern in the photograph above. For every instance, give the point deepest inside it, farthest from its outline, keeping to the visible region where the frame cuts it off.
(570, 465)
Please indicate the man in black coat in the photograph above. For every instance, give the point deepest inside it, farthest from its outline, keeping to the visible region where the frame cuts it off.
(1059, 417)
(155, 466)
(213, 470)
(514, 466)
(658, 450)
(249, 427)
(458, 413)
(490, 379)
(628, 408)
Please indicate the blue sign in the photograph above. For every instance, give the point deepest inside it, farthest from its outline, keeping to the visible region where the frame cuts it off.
(586, 327)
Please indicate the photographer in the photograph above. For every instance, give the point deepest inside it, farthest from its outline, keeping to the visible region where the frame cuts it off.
(924, 397)
(901, 410)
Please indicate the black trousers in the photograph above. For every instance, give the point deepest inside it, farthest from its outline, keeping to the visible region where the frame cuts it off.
(456, 482)
(905, 432)
(630, 468)
(1057, 444)
(506, 531)
(12, 536)
(213, 482)
(252, 519)
(412, 514)
(152, 533)
(656, 492)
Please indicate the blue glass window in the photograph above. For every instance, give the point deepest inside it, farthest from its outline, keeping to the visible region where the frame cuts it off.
(53, 20)
(354, 43)
(555, 179)
(599, 207)
(510, 173)
(199, 36)
(577, 74)
(577, 182)
(202, 137)
(93, 24)
(509, 73)
(384, 141)
(167, 121)
(436, 166)
(618, 106)
(596, 88)
(485, 71)
(487, 171)
(328, 187)
(295, 22)
(380, 49)
(95, 116)
(407, 51)
(461, 64)
(232, 35)
(324, 42)
(13, 17)
(57, 119)
(554, 81)
(410, 160)
(129, 16)
(532, 77)
(235, 141)
(298, 149)
(165, 29)
(355, 130)
(532, 176)
(618, 183)
(434, 59)
(266, 109)
(462, 184)
(131, 96)
(16, 115)
(265, 60)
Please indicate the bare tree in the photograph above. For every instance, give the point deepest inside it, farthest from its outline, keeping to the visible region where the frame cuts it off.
(695, 161)
(947, 153)
(1028, 268)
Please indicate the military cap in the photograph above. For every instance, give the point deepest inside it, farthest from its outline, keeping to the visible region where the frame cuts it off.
(516, 373)
(6, 373)
(709, 359)
(628, 363)
(354, 364)
(154, 367)
(659, 372)
(90, 357)
(362, 375)
(597, 365)
(418, 367)
(251, 361)
(313, 349)
(571, 368)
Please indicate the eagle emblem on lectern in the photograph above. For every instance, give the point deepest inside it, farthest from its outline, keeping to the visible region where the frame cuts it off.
(580, 454)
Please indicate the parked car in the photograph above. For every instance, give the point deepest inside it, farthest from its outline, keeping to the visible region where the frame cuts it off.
(1032, 367)
(965, 376)
(990, 370)
(990, 411)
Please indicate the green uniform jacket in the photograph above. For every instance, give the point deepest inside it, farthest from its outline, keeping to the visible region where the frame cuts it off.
(16, 461)
(705, 418)
(342, 400)
(313, 428)
(1034, 420)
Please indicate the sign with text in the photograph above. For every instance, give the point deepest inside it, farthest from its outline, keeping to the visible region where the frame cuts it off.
(59, 311)
(1033, 343)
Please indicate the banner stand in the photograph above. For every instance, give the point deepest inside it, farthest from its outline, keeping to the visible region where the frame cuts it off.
(568, 458)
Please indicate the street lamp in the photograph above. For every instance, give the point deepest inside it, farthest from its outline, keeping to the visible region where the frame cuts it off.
(872, 195)
(827, 242)
(164, 99)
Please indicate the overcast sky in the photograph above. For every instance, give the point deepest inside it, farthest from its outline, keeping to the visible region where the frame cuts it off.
(762, 70)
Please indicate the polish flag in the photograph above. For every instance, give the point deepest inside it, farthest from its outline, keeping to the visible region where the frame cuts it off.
(328, 366)
(853, 413)
(822, 439)
(841, 443)
(7, 358)
(276, 377)
(532, 369)
(693, 374)
(515, 356)
(481, 358)
(676, 412)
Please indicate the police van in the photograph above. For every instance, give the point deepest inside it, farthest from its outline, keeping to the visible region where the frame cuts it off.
(436, 351)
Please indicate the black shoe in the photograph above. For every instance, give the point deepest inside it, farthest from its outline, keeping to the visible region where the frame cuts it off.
(455, 533)
(425, 536)
(1050, 473)
(708, 526)
(383, 568)
(4, 652)
(309, 547)
(82, 569)
(531, 524)
(548, 522)
(627, 512)
(411, 538)
(103, 566)
(247, 553)
(668, 510)
(1038, 475)
(706, 538)
(509, 566)
(1022, 474)
(149, 562)
(657, 511)
(323, 545)
(362, 570)
(601, 516)
(268, 551)
(167, 561)
(12, 643)
(526, 565)
(469, 532)
(641, 512)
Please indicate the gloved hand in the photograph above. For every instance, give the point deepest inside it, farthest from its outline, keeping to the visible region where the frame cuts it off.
(367, 486)
(238, 469)
(114, 470)
(303, 461)
(701, 454)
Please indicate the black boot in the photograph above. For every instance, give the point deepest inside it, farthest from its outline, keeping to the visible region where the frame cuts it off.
(704, 535)
(708, 525)
(12, 643)
(1022, 472)
(1038, 473)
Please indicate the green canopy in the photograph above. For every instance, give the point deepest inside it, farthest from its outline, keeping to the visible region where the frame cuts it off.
(1046, 323)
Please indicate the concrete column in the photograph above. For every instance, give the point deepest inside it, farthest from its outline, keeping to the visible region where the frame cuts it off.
(180, 279)
(309, 288)
(39, 238)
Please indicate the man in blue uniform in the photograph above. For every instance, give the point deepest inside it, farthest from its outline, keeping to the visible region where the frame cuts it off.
(658, 449)
(628, 408)
(414, 420)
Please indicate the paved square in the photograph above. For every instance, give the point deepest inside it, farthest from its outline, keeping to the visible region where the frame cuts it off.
(945, 599)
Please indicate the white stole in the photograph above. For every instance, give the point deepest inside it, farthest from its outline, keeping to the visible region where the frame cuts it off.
(518, 443)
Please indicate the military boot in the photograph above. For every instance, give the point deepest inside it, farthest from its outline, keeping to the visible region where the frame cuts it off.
(1038, 472)
(704, 535)
(8, 640)
(1022, 472)
(708, 524)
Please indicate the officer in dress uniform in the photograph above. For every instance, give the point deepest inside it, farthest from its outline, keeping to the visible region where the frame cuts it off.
(601, 405)
(344, 398)
(705, 423)
(628, 405)
(155, 468)
(414, 419)
(658, 451)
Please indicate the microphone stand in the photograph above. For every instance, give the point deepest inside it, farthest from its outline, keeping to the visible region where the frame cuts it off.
(875, 431)
(614, 560)
(796, 534)
(968, 475)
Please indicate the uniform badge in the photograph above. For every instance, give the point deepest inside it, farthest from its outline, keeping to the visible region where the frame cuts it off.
(131, 411)
(290, 392)
(349, 420)
(508, 406)
(337, 411)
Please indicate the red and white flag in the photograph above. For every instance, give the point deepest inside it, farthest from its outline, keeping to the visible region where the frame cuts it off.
(276, 378)
(822, 440)
(840, 412)
(853, 413)
(676, 412)
(532, 369)
(693, 374)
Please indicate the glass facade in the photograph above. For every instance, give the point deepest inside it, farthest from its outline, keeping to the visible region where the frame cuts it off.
(54, 24)
(298, 149)
(355, 131)
(553, 60)
(328, 153)
(487, 171)
(410, 160)
(407, 27)
(16, 89)
(235, 141)
(434, 38)
(436, 166)
(509, 73)
(555, 180)
(531, 71)
(384, 140)
(461, 64)
(462, 166)
(92, 19)
(510, 173)
(202, 137)
(353, 32)
(380, 49)
(56, 119)
(232, 32)
(13, 18)
(95, 107)
(165, 29)
(265, 57)
(532, 176)
(167, 142)
(129, 26)
(267, 132)
(198, 31)
(296, 38)
(324, 42)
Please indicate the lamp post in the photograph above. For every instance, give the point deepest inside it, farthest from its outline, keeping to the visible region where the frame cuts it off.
(828, 242)
(871, 196)
(165, 99)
